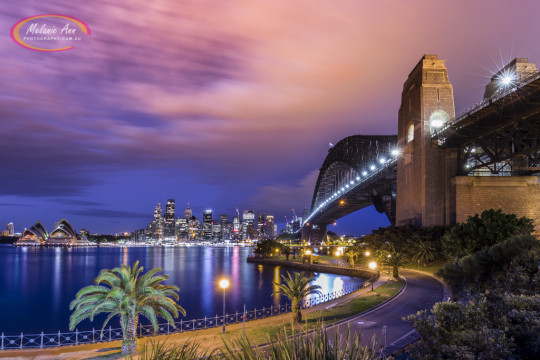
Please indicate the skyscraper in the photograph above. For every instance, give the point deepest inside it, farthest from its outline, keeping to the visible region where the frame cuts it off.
(156, 226)
(261, 219)
(207, 225)
(10, 229)
(248, 218)
(268, 228)
(188, 213)
(170, 224)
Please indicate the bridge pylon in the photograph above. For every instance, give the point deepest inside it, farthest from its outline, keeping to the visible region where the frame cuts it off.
(425, 194)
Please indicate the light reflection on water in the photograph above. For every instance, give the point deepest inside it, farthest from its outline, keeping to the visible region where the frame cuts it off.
(37, 284)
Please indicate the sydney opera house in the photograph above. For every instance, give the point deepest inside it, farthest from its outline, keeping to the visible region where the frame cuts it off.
(63, 234)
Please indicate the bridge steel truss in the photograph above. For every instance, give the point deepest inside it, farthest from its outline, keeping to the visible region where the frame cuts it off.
(364, 166)
(499, 136)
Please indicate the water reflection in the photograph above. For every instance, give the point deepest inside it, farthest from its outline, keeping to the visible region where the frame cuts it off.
(37, 284)
(275, 288)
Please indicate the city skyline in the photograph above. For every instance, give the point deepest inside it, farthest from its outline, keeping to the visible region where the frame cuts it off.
(234, 113)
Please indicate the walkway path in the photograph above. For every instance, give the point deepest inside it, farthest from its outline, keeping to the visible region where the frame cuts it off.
(422, 292)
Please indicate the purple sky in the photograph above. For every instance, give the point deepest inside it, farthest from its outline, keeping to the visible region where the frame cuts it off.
(222, 103)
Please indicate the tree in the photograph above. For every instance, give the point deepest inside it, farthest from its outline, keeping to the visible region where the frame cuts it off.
(286, 250)
(126, 294)
(396, 260)
(266, 247)
(350, 255)
(479, 232)
(296, 289)
(510, 266)
(424, 252)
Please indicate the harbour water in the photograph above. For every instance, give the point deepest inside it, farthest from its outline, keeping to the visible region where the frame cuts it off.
(37, 283)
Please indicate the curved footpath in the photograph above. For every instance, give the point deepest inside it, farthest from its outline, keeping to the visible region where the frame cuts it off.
(420, 292)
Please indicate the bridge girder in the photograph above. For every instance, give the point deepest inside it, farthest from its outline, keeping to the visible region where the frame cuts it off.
(500, 135)
(348, 163)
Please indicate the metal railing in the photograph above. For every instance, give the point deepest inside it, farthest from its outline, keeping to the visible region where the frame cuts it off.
(42, 340)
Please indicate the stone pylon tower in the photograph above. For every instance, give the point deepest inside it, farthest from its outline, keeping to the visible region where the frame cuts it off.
(425, 195)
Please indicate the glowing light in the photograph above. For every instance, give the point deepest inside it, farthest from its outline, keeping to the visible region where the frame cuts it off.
(308, 252)
(342, 189)
(338, 253)
(437, 122)
(347, 186)
(368, 253)
(224, 283)
(342, 202)
(364, 173)
(372, 167)
(382, 160)
(372, 265)
(352, 182)
(507, 80)
(389, 256)
(396, 152)
(358, 178)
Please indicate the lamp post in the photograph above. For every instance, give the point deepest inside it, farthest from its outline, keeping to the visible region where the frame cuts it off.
(372, 266)
(224, 284)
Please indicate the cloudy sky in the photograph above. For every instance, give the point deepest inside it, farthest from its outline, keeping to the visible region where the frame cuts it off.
(222, 104)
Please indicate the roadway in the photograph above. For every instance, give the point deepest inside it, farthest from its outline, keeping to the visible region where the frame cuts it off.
(421, 292)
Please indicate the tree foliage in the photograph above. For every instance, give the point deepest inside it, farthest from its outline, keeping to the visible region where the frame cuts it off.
(123, 292)
(266, 247)
(478, 232)
(509, 266)
(494, 326)
(296, 288)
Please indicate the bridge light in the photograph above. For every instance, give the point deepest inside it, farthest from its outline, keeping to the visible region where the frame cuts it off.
(396, 152)
(342, 189)
(352, 182)
(342, 202)
(364, 173)
(358, 178)
(347, 186)
(437, 122)
(335, 194)
(372, 167)
(382, 160)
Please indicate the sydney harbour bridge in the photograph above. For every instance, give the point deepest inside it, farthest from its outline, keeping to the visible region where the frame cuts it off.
(441, 167)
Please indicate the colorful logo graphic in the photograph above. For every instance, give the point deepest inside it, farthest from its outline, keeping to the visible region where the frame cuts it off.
(49, 32)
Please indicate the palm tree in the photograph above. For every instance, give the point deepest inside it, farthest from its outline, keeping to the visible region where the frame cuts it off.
(127, 295)
(396, 260)
(424, 252)
(296, 289)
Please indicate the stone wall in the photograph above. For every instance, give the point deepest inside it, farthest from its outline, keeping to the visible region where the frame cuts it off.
(518, 195)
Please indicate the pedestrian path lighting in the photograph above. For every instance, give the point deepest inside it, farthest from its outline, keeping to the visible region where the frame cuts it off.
(367, 254)
(224, 284)
(372, 266)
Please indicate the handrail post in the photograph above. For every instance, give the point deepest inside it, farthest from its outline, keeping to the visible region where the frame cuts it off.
(168, 328)
(41, 341)
(271, 311)
(76, 336)
(93, 336)
(20, 345)
(2, 346)
(58, 337)
(110, 333)
(205, 323)
(180, 325)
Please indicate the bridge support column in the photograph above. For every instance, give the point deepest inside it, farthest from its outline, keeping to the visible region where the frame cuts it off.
(425, 195)
(314, 233)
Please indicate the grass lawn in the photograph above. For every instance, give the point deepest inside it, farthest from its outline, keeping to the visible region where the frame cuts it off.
(432, 268)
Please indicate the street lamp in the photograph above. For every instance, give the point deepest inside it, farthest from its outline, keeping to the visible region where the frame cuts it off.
(224, 284)
(372, 266)
(367, 254)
